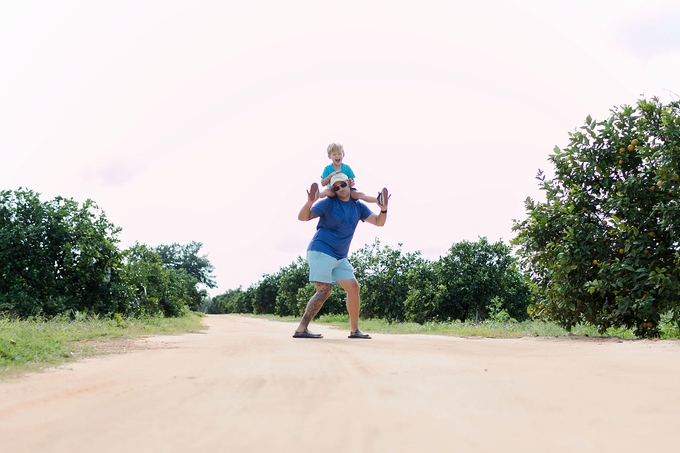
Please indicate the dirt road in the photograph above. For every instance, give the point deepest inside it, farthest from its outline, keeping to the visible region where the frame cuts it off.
(245, 385)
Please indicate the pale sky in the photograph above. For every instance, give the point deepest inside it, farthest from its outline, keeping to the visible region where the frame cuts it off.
(208, 120)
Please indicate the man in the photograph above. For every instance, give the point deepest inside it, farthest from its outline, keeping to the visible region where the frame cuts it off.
(327, 252)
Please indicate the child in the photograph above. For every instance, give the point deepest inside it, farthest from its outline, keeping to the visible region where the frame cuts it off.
(336, 153)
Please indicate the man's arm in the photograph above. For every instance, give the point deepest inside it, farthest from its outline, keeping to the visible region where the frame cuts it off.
(379, 219)
(306, 212)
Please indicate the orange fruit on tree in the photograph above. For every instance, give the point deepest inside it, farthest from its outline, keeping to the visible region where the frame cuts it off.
(621, 251)
(631, 147)
(634, 142)
(676, 177)
(622, 150)
(620, 162)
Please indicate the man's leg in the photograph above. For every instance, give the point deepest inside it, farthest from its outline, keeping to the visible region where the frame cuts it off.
(352, 288)
(323, 291)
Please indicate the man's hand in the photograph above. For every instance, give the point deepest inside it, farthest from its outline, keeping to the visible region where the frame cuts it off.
(306, 213)
(383, 199)
(313, 193)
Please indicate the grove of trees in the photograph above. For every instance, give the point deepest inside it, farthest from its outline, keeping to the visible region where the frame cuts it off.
(62, 257)
(472, 279)
(604, 248)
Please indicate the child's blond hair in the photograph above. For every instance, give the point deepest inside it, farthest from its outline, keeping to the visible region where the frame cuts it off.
(335, 147)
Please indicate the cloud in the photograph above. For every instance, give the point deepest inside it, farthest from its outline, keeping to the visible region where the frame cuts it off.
(652, 35)
(114, 172)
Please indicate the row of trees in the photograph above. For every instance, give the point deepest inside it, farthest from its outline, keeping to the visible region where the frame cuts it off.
(471, 280)
(60, 256)
(604, 248)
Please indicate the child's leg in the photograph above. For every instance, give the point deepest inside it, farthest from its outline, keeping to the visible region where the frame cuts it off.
(356, 195)
(326, 192)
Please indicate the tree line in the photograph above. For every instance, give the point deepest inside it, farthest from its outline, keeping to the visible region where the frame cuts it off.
(604, 246)
(62, 257)
(602, 249)
(471, 281)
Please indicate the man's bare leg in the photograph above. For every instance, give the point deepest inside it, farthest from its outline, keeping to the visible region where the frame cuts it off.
(323, 291)
(352, 288)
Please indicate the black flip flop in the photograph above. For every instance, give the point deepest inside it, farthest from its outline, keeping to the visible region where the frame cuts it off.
(306, 334)
(359, 334)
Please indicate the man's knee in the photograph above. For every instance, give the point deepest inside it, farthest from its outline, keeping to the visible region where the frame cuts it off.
(350, 286)
(323, 290)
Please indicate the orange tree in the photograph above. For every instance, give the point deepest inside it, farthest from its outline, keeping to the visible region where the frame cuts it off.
(604, 248)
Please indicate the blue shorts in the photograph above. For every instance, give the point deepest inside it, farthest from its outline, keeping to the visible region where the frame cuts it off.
(326, 269)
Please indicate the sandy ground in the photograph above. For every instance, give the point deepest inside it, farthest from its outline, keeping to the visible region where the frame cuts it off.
(245, 385)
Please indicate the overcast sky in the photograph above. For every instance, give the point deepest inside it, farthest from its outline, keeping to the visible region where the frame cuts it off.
(207, 120)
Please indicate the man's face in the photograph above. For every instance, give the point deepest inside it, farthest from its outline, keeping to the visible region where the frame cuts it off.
(341, 189)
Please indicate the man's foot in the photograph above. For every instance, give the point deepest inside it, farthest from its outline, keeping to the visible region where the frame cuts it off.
(382, 197)
(306, 334)
(359, 334)
(314, 191)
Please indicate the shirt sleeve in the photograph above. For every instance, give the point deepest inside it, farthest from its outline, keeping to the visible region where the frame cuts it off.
(348, 171)
(319, 208)
(365, 211)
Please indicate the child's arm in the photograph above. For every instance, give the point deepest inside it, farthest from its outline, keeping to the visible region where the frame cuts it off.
(327, 180)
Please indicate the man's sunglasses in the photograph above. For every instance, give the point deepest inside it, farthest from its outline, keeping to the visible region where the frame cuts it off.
(340, 186)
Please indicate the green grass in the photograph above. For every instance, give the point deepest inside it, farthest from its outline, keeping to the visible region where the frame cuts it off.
(32, 345)
(488, 329)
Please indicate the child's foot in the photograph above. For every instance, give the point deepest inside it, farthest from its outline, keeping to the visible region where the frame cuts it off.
(382, 197)
(314, 191)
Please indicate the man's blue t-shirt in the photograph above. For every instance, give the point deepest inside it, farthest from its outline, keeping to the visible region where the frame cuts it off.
(337, 222)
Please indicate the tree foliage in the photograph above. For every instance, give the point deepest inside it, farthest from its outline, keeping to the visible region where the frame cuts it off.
(232, 301)
(186, 257)
(469, 282)
(151, 288)
(382, 274)
(291, 279)
(54, 256)
(464, 282)
(604, 246)
(60, 257)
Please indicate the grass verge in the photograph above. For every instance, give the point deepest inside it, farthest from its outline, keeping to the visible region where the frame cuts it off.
(32, 345)
(487, 329)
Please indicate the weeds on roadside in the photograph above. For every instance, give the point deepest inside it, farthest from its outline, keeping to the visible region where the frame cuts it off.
(33, 344)
(499, 326)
